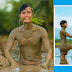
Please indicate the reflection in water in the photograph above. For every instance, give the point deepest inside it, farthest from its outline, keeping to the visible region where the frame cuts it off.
(63, 61)
(25, 68)
(67, 60)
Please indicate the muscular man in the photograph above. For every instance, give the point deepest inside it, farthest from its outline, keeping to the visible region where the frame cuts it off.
(63, 47)
(30, 38)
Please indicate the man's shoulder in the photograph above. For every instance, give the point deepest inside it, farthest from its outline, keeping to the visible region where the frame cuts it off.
(62, 31)
(16, 30)
(38, 27)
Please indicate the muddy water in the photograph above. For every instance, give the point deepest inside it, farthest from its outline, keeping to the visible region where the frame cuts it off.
(26, 68)
(68, 57)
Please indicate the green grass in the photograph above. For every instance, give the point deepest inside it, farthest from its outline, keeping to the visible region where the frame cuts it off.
(59, 43)
(68, 43)
(4, 38)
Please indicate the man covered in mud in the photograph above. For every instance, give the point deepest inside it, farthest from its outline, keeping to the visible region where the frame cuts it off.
(63, 47)
(30, 38)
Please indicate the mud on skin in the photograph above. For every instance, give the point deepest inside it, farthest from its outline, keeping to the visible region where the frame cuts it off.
(63, 47)
(30, 39)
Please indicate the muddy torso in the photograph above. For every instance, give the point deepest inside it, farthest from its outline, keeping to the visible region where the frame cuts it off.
(29, 42)
(63, 45)
(63, 37)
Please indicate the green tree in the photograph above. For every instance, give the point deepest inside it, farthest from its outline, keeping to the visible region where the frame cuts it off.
(13, 16)
(3, 13)
(42, 8)
(45, 10)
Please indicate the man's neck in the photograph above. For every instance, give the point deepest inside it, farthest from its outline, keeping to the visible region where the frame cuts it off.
(63, 28)
(28, 25)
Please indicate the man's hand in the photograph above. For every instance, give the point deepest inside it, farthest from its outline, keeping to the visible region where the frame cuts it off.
(43, 66)
(14, 65)
(4, 62)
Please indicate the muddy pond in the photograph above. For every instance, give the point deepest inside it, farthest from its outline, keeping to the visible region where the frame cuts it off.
(68, 57)
(27, 68)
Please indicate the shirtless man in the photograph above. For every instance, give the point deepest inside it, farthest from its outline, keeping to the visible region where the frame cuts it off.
(30, 38)
(63, 47)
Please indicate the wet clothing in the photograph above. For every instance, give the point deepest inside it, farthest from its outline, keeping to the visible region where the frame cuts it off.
(25, 62)
(63, 47)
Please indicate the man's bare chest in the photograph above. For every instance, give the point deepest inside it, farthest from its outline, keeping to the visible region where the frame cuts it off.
(29, 38)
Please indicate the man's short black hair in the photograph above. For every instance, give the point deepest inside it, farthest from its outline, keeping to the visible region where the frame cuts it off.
(62, 22)
(23, 7)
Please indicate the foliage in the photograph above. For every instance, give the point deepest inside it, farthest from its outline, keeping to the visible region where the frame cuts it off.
(37, 21)
(57, 43)
(67, 41)
(57, 40)
(45, 9)
(2, 22)
(42, 8)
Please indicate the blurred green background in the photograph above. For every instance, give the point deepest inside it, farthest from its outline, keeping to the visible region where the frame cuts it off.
(9, 18)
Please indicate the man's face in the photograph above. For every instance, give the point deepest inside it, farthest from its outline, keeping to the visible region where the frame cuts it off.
(27, 13)
(65, 24)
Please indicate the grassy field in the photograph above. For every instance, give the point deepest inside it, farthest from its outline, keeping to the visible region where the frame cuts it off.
(4, 38)
(59, 43)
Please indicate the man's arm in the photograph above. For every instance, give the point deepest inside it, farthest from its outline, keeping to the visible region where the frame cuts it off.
(66, 33)
(70, 36)
(9, 47)
(46, 44)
